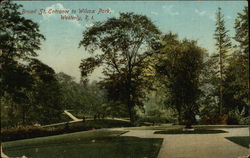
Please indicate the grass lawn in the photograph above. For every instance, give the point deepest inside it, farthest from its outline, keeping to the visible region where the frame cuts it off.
(241, 140)
(106, 123)
(220, 126)
(157, 127)
(88, 144)
(196, 131)
(170, 126)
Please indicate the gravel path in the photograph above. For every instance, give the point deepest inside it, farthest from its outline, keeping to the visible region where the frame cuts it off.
(197, 145)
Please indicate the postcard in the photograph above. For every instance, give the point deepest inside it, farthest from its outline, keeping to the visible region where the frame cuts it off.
(124, 79)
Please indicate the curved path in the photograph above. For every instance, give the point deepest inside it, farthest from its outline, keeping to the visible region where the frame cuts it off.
(71, 116)
(197, 145)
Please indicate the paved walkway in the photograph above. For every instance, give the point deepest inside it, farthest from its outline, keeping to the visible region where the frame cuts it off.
(74, 119)
(71, 116)
(197, 145)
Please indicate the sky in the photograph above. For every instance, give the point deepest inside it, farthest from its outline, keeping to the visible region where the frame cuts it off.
(189, 19)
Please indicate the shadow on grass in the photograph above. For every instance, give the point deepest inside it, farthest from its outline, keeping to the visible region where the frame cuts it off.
(196, 131)
(220, 126)
(89, 144)
(241, 140)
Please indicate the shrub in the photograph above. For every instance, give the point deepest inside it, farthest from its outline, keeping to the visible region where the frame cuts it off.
(237, 117)
(153, 120)
(213, 120)
(232, 120)
(27, 132)
(21, 132)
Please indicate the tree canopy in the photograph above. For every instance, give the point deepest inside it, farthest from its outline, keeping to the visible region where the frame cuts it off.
(124, 43)
(29, 89)
(179, 67)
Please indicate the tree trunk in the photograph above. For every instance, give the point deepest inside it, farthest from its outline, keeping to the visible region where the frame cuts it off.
(179, 117)
(131, 114)
(130, 104)
(24, 116)
(221, 69)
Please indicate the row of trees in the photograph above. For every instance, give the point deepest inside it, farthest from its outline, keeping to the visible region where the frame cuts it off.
(137, 61)
(228, 70)
(87, 99)
(136, 58)
(31, 92)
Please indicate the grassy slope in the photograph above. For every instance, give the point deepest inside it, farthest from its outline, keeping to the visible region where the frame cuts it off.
(88, 144)
(107, 123)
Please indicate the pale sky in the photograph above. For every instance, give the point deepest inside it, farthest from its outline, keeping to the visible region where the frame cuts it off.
(189, 19)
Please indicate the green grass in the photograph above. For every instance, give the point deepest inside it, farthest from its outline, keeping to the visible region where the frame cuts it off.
(158, 127)
(196, 131)
(220, 126)
(88, 144)
(170, 126)
(25, 133)
(240, 140)
(96, 124)
(65, 118)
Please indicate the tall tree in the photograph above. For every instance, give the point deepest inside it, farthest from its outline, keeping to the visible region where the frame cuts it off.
(242, 37)
(45, 96)
(29, 91)
(179, 67)
(124, 44)
(19, 39)
(237, 76)
(223, 45)
(242, 32)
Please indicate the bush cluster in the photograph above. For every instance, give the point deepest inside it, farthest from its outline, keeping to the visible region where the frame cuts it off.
(153, 120)
(22, 132)
(225, 120)
(213, 120)
(27, 132)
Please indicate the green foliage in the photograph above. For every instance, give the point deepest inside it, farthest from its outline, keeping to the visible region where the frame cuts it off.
(88, 99)
(226, 76)
(20, 132)
(179, 68)
(125, 43)
(237, 79)
(208, 119)
(35, 103)
(73, 93)
(223, 45)
(154, 110)
(27, 132)
(236, 85)
(242, 31)
(238, 117)
(29, 91)
(20, 37)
